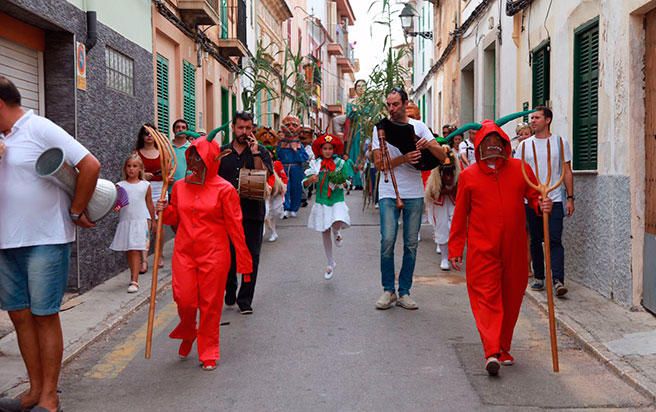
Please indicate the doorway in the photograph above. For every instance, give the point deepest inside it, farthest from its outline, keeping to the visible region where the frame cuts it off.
(649, 271)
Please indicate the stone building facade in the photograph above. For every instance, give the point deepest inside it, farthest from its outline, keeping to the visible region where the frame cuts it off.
(105, 117)
(591, 62)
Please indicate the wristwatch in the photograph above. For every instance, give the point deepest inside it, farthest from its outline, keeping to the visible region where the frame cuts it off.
(571, 197)
(74, 216)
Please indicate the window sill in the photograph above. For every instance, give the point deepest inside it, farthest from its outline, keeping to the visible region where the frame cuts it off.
(585, 172)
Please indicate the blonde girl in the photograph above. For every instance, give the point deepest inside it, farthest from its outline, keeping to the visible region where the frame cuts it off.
(135, 219)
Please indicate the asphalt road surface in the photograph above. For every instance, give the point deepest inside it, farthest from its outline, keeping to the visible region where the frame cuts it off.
(317, 345)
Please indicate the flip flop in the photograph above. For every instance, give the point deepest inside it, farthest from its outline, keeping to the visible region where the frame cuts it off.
(11, 405)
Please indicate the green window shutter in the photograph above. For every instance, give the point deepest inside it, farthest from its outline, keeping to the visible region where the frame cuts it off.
(234, 104)
(225, 113)
(423, 108)
(189, 94)
(269, 113)
(163, 95)
(586, 104)
(541, 68)
(224, 19)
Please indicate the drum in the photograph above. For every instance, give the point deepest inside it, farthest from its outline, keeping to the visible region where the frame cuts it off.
(252, 184)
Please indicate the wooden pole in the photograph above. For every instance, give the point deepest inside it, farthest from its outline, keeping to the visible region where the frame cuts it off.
(168, 164)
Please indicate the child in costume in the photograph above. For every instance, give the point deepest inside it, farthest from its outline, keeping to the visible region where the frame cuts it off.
(329, 212)
(207, 212)
(135, 218)
(275, 200)
(490, 218)
(440, 201)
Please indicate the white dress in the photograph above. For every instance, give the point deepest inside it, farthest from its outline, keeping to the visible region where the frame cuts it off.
(132, 230)
(324, 214)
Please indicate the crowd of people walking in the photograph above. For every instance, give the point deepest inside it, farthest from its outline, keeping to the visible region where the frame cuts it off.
(477, 199)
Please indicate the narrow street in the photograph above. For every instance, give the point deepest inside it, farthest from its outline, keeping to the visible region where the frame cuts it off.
(321, 345)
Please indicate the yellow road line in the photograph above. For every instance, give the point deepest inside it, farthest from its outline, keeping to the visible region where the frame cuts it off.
(118, 359)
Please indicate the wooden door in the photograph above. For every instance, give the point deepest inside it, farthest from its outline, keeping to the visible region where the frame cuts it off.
(649, 280)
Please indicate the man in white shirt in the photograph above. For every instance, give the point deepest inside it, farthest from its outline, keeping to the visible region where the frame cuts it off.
(466, 151)
(37, 226)
(411, 191)
(541, 124)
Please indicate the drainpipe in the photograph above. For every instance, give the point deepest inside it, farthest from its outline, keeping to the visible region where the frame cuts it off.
(92, 30)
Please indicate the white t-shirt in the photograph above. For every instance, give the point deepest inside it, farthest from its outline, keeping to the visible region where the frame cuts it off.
(467, 148)
(34, 210)
(541, 151)
(408, 178)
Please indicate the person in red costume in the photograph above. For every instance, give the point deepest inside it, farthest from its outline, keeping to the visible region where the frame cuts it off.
(489, 217)
(206, 210)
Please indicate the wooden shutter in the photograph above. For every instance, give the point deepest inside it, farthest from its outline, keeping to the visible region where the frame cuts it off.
(225, 113)
(163, 94)
(586, 87)
(189, 94)
(540, 64)
(224, 19)
(234, 104)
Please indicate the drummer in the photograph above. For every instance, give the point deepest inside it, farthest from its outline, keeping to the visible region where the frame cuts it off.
(246, 153)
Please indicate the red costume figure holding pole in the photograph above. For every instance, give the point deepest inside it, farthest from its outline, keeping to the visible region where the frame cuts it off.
(206, 210)
(490, 217)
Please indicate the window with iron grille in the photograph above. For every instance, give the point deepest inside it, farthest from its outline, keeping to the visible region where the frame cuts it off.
(586, 102)
(189, 94)
(119, 71)
(163, 95)
(540, 66)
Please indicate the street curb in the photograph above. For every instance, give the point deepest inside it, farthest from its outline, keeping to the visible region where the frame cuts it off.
(622, 369)
(96, 334)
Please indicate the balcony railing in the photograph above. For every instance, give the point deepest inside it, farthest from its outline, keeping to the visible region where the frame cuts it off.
(232, 42)
(199, 12)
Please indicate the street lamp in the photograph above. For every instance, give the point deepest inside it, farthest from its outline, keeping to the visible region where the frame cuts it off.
(407, 16)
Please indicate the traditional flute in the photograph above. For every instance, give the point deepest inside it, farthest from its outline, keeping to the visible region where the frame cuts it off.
(387, 164)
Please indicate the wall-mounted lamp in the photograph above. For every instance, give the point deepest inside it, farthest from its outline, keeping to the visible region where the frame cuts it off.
(407, 17)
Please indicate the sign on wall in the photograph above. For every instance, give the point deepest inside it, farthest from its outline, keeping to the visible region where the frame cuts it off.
(81, 66)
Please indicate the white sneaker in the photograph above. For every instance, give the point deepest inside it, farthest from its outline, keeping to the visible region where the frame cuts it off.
(133, 288)
(438, 250)
(406, 302)
(285, 214)
(386, 300)
(292, 214)
(273, 237)
(492, 366)
(330, 271)
(444, 264)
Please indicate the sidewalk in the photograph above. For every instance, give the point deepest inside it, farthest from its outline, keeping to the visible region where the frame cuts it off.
(85, 319)
(623, 340)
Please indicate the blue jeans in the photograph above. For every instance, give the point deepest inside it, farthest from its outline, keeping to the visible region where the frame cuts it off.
(555, 237)
(34, 277)
(294, 187)
(389, 217)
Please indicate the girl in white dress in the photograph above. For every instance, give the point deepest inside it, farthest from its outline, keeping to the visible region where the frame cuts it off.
(329, 212)
(135, 219)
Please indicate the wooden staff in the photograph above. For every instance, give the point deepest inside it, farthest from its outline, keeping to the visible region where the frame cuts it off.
(544, 190)
(168, 164)
(387, 165)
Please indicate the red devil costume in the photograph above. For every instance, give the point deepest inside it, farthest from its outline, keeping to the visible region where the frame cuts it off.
(490, 217)
(205, 207)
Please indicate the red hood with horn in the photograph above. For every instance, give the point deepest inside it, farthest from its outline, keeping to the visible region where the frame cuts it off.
(489, 127)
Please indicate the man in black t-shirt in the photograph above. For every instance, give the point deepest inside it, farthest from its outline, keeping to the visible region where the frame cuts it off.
(246, 153)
